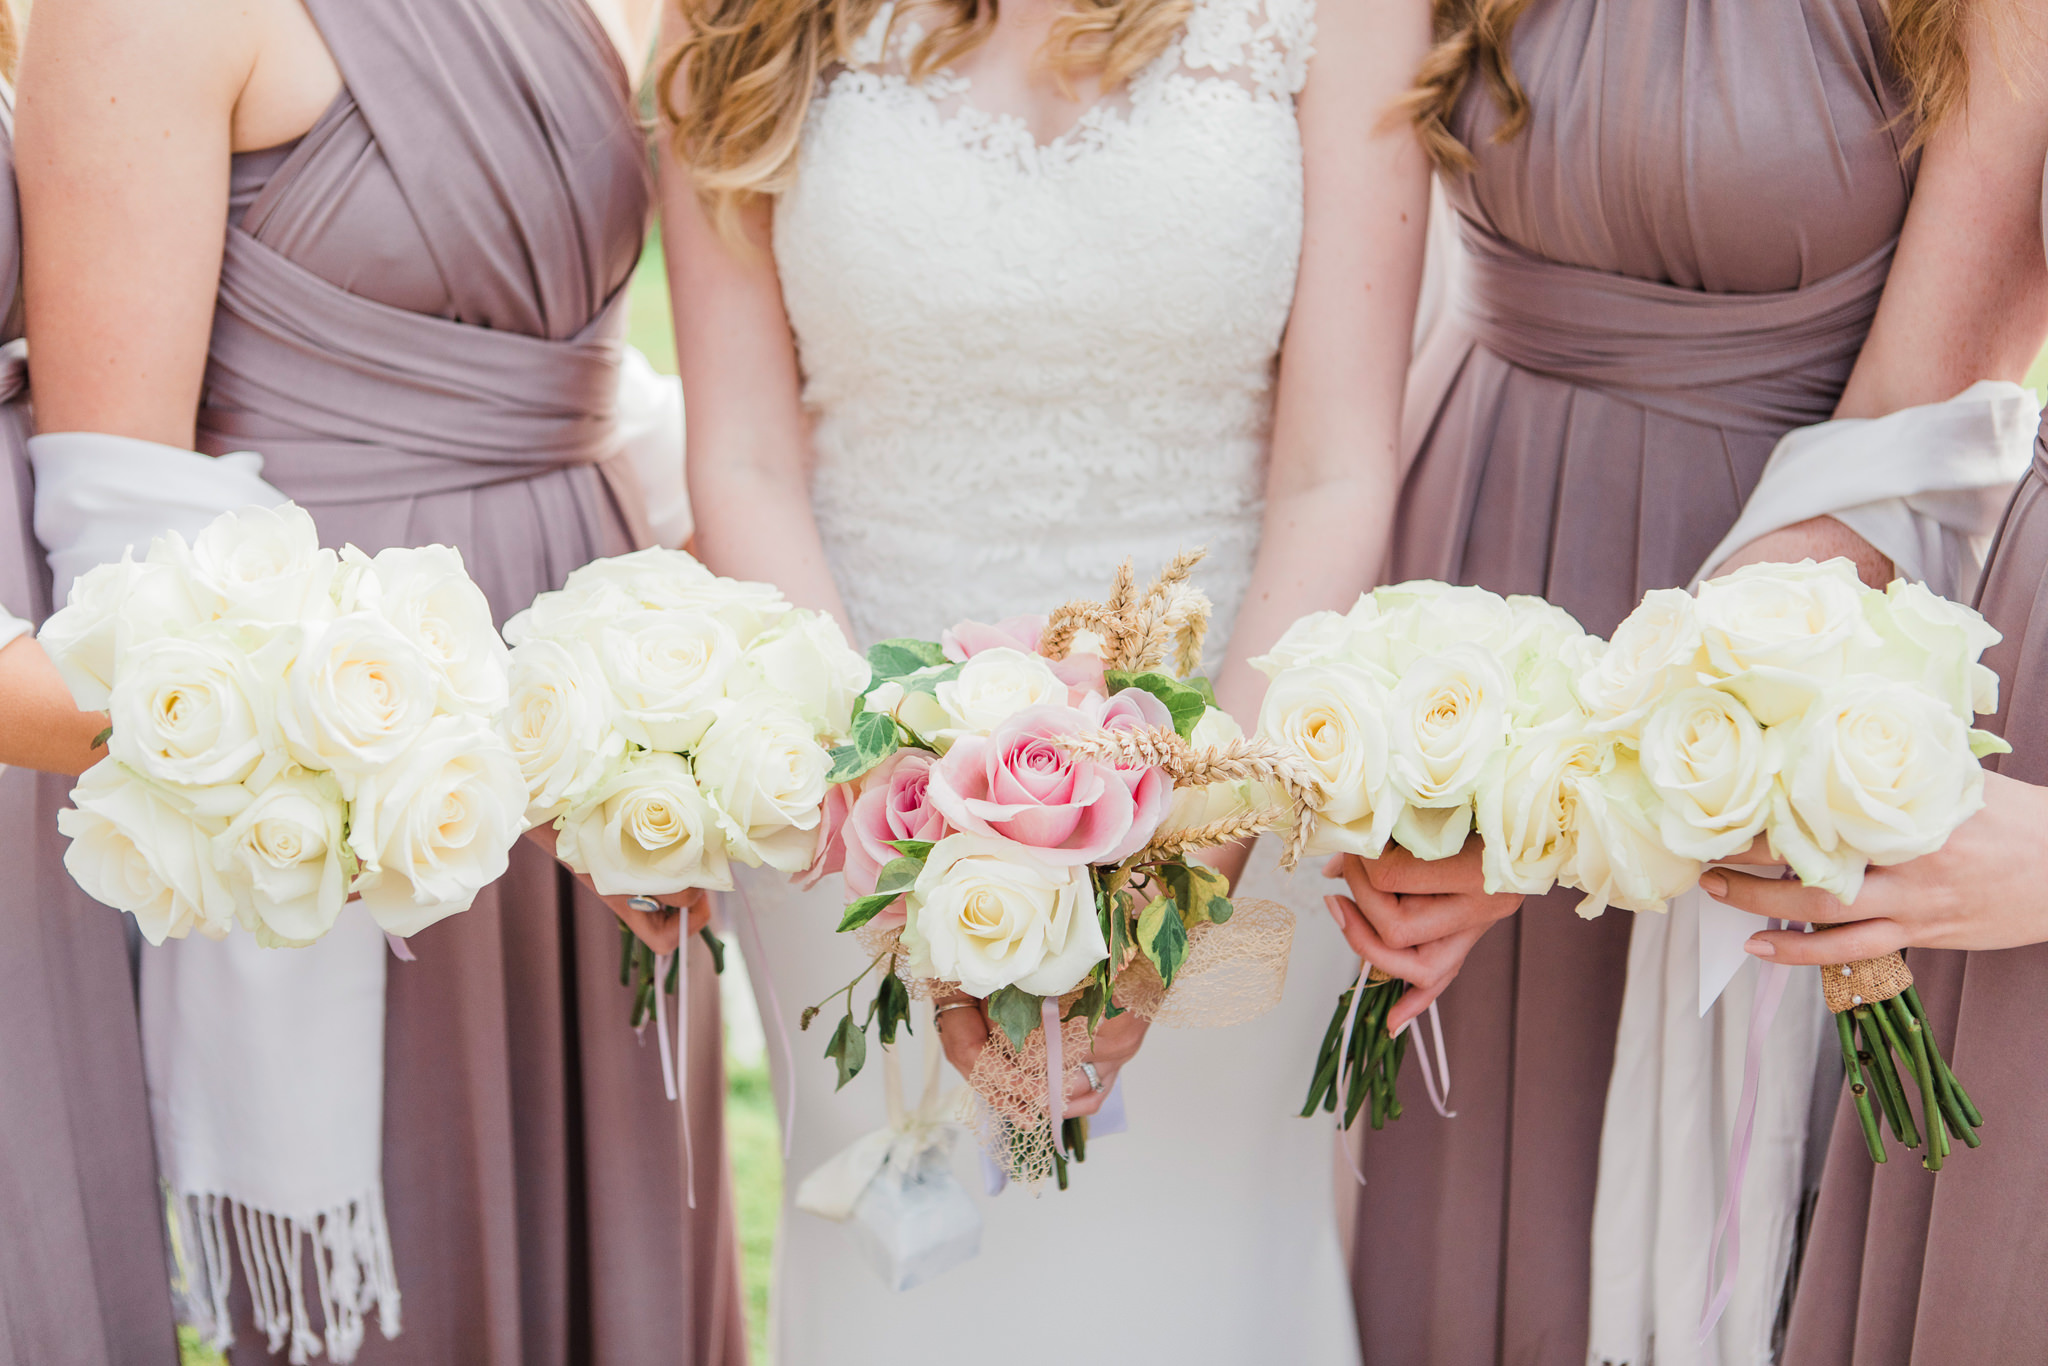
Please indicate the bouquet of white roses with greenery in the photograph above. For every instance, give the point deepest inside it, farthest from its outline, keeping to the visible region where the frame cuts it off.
(1014, 815)
(1791, 702)
(1429, 715)
(668, 723)
(290, 728)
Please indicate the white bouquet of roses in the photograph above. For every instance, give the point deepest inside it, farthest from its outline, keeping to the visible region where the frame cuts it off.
(1428, 714)
(1792, 702)
(670, 722)
(290, 728)
(1013, 816)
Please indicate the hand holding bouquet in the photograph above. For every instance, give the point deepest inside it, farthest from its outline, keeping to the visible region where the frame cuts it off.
(291, 727)
(1013, 815)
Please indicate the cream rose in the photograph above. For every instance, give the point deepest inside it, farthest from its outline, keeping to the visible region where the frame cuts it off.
(1523, 809)
(1938, 644)
(191, 711)
(764, 773)
(1335, 717)
(1318, 638)
(994, 686)
(1447, 719)
(1713, 769)
(428, 595)
(435, 827)
(559, 724)
(1618, 856)
(358, 696)
(1192, 806)
(136, 849)
(668, 671)
(1782, 619)
(260, 564)
(646, 830)
(805, 659)
(113, 607)
(1655, 650)
(282, 859)
(988, 915)
(1875, 772)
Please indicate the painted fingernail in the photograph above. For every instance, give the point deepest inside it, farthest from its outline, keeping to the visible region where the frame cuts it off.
(1760, 947)
(1336, 910)
(1714, 884)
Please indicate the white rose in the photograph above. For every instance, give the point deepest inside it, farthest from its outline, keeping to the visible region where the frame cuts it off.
(1928, 640)
(668, 671)
(764, 773)
(258, 564)
(805, 659)
(988, 915)
(1194, 806)
(113, 607)
(571, 616)
(435, 827)
(661, 580)
(427, 594)
(656, 578)
(1654, 651)
(1618, 855)
(913, 708)
(1430, 616)
(1335, 717)
(136, 849)
(1318, 638)
(358, 696)
(1544, 652)
(192, 711)
(1775, 620)
(1446, 719)
(994, 686)
(1713, 769)
(559, 724)
(646, 830)
(282, 859)
(1875, 772)
(1523, 809)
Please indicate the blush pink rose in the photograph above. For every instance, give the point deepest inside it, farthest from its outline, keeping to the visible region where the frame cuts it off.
(1019, 784)
(1080, 672)
(894, 804)
(828, 855)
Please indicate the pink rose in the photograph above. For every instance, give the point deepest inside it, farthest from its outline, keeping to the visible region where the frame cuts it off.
(828, 856)
(1081, 673)
(1019, 784)
(893, 805)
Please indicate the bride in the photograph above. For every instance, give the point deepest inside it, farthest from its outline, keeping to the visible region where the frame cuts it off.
(973, 303)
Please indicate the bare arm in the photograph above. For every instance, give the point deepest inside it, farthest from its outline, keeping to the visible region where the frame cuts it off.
(1335, 467)
(40, 726)
(1967, 298)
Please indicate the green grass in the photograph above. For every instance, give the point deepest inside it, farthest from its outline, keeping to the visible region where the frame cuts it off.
(647, 315)
(756, 1151)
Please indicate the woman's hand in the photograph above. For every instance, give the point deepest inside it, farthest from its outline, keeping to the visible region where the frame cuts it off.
(660, 930)
(1416, 919)
(964, 1032)
(1987, 888)
(40, 726)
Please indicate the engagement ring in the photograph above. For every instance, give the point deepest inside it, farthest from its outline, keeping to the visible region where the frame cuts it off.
(1094, 1077)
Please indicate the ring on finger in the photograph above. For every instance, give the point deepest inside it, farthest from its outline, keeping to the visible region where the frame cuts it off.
(646, 905)
(952, 1005)
(1094, 1077)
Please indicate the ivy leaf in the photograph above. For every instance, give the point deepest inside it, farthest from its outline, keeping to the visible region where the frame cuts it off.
(892, 1004)
(890, 659)
(1016, 1013)
(717, 947)
(1163, 938)
(1204, 687)
(1202, 893)
(874, 739)
(100, 741)
(898, 875)
(1184, 702)
(928, 681)
(867, 908)
(917, 849)
(849, 1048)
(1089, 1006)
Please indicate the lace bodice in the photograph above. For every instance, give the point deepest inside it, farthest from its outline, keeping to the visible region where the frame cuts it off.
(1026, 362)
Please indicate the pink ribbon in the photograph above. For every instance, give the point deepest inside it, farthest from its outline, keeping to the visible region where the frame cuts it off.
(771, 1019)
(1343, 1047)
(675, 1068)
(1770, 989)
(400, 950)
(1055, 1065)
(1440, 1100)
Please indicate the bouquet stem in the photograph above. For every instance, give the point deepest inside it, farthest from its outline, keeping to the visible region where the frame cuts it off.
(1888, 1043)
(638, 967)
(1366, 1068)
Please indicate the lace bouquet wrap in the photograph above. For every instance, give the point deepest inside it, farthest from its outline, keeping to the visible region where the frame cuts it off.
(668, 723)
(1013, 816)
(1427, 716)
(1790, 701)
(291, 727)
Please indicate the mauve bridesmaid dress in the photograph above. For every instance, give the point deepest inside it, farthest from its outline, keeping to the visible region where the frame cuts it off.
(82, 1268)
(1672, 265)
(419, 328)
(1952, 1270)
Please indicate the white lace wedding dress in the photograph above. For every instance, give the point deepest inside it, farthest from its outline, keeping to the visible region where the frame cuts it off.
(1026, 363)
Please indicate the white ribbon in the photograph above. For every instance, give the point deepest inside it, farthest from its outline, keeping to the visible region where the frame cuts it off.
(832, 1191)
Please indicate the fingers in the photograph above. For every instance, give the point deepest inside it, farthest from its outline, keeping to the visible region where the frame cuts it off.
(1850, 943)
(1418, 998)
(1407, 964)
(1399, 871)
(1785, 898)
(659, 930)
(964, 1033)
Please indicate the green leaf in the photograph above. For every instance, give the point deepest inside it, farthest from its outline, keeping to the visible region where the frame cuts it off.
(1184, 702)
(898, 875)
(895, 658)
(849, 1048)
(874, 739)
(100, 741)
(1016, 1013)
(929, 682)
(1163, 938)
(1202, 893)
(1089, 1006)
(717, 947)
(867, 908)
(1204, 687)
(892, 1003)
(917, 849)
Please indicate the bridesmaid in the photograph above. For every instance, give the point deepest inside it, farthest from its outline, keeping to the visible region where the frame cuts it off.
(386, 245)
(81, 1246)
(1657, 288)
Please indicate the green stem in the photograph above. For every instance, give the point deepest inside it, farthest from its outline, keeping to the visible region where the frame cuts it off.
(1871, 1138)
(1322, 1085)
(1881, 1059)
(1930, 1103)
(1970, 1113)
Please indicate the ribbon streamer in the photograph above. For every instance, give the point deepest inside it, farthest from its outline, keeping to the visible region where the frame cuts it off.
(400, 950)
(1770, 989)
(1055, 1066)
(1343, 1047)
(675, 1067)
(1442, 1101)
